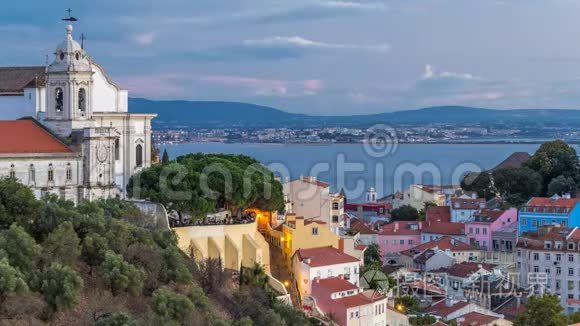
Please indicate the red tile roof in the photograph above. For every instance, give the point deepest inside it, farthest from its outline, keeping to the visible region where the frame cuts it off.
(334, 284)
(443, 243)
(315, 182)
(438, 214)
(475, 319)
(360, 299)
(442, 310)
(465, 269)
(402, 228)
(467, 203)
(420, 285)
(28, 136)
(448, 228)
(552, 203)
(324, 256)
(488, 215)
(361, 227)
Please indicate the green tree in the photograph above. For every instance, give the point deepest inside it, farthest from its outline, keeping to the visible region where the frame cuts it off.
(62, 245)
(121, 276)
(11, 281)
(405, 213)
(174, 268)
(372, 255)
(423, 320)
(197, 184)
(115, 319)
(94, 249)
(171, 307)
(21, 250)
(517, 185)
(481, 183)
(165, 157)
(542, 310)
(553, 159)
(60, 287)
(254, 276)
(17, 204)
(561, 185)
(407, 303)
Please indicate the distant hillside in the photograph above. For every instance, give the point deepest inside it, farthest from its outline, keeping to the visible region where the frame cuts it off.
(232, 114)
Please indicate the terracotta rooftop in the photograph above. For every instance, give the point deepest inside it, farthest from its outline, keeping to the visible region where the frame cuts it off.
(420, 285)
(361, 227)
(360, 299)
(467, 203)
(438, 214)
(443, 243)
(442, 310)
(28, 136)
(334, 284)
(402, 228)
(315, 181)
(552, 202)
(465, 269)
(447, 228)
(535, 240)
(488, 215)
(324, 256)
(15, 79)
(475, 319)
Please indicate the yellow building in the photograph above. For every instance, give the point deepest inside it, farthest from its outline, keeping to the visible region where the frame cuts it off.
(298, 233)
(235, 244)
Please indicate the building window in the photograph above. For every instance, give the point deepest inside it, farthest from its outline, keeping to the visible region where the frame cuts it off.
(570, 271)
(536, 256)
(558, 270)
(82, 100)
(570, 246)
(401, 242)
(68, 172)
(534, 223)
(536, 269)
(334, 205)
(117, 149)
(571, 258)
(484, 231)
(558, 257)
(139, 155)
(59, 100)
(50, 173)
(524, 221)
(32, 174)
(314, 231)
(548, 256)
(334, 218)
(410, 241)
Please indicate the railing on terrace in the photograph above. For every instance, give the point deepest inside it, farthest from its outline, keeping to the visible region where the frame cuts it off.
(232, 220)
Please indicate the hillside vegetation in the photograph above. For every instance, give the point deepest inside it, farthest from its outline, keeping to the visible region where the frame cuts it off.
(86, 265)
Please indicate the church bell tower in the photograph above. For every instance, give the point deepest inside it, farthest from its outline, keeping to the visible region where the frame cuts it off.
(69, 88)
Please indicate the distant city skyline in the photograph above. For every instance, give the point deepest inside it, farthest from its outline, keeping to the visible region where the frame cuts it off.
(329, 57)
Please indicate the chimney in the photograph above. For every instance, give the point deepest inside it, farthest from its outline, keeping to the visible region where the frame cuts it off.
(307, 260)
(396, 228)
(449, 301)
(340, 276)
(317, 279)
(341, 244)
(518, 301)
(420, 225)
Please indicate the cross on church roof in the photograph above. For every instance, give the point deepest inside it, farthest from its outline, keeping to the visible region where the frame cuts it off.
(83, 38)
(70, 18)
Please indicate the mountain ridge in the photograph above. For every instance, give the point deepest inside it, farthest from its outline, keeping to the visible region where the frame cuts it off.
(239, 114)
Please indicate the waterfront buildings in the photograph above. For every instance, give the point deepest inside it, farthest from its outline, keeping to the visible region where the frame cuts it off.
(485, 223)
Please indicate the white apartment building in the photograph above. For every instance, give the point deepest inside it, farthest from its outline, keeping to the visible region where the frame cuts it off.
(549, 261)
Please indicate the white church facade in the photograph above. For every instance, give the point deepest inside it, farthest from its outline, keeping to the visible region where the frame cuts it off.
(71, 133)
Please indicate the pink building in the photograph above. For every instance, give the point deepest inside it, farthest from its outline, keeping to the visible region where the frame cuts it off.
(479, 231)
(399, 236)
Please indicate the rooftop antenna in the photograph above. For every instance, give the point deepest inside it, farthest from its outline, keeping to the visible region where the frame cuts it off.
(69, 18)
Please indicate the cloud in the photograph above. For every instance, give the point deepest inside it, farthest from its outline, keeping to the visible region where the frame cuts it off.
(143, 38)
(430, 73)
(302, 43)
(269, 12)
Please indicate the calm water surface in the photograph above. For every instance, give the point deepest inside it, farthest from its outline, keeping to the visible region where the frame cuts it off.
(355, 167)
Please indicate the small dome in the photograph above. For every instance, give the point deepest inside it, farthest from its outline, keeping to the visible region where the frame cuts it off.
(70, 56)
(69, 45)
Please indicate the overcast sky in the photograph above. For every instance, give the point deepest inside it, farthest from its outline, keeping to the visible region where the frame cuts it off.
(319, 56)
